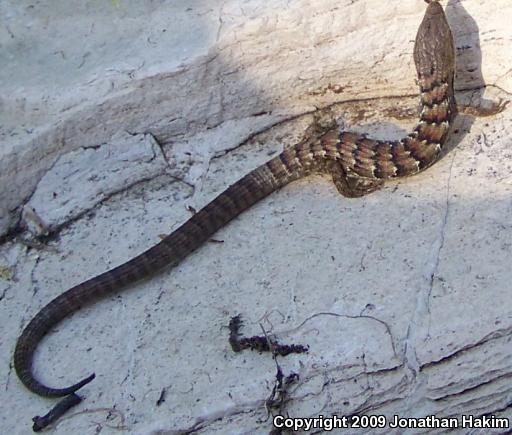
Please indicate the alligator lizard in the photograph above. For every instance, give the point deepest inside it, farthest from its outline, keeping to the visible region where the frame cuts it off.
(358, 165)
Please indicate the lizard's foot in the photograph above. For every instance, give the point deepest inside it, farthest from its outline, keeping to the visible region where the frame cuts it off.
(352, 185)
(480, 111)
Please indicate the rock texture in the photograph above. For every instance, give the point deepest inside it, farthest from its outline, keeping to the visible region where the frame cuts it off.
(117, 116)
(81, 179)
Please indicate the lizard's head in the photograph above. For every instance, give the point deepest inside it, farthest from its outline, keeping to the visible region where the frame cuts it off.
(434, 47)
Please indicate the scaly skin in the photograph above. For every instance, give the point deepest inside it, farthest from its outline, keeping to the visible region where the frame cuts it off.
(358, 165)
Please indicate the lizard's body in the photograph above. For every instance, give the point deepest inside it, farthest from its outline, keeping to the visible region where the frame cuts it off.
(358, 165)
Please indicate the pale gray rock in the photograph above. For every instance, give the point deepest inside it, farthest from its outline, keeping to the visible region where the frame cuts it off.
(81, 179)
(403, 296)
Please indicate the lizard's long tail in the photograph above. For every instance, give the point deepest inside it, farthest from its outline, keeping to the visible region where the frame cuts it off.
(353, 154)
(279, 171)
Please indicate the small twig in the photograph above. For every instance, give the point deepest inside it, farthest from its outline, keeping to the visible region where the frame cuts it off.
(56, 412)
(280, 390)
(259, 342)
(161, 399)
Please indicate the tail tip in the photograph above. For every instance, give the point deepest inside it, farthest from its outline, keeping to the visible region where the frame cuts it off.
(84, 382)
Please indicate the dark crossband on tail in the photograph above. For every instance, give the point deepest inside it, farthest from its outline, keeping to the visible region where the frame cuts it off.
(358, 165)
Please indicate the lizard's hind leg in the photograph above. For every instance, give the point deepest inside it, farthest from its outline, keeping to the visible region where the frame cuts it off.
(352, 185)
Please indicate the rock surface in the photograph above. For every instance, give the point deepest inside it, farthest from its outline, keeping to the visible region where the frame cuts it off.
(81, 179)
(117, 116)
